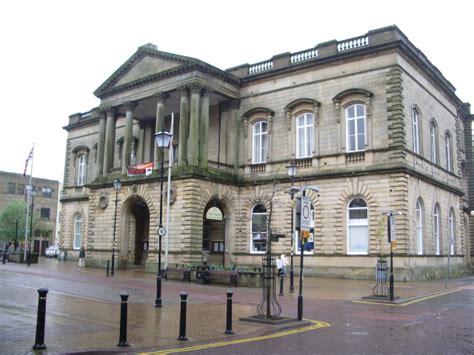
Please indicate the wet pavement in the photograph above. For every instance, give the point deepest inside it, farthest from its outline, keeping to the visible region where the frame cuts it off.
(83, 315)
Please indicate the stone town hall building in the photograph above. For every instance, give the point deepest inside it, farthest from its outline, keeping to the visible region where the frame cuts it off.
(369, 120)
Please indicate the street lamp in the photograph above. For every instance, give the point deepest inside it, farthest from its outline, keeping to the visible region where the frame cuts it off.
(117, 186)
(162, 139)
(33, 194)
(292, 173)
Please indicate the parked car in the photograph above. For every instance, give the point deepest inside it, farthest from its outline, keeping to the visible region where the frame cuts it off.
(52, 251)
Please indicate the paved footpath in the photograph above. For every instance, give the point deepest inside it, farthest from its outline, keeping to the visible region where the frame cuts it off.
(83, 308)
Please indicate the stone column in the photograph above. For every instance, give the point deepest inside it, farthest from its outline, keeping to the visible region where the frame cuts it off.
(193, 149)
(101, 144)
(141, 143)
(127, 151)
(109, 140)
(235, 133)
(160, 122)
(204, 129)
(183, 128)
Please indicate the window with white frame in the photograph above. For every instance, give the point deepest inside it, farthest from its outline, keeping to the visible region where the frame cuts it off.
(260, 142)
(436, 229)
(419, 227)
(259, 229)
(357, 227)
(304, 135)
(356, 127)
(451, 231)
(81, 170)
(415, 117)
(434, 142)
(77, 232)
(449, 152)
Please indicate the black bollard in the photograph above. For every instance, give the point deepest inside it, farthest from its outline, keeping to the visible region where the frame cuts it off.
(4, 256)
(41, 320)
(281, 284)
(182, 317)
(123, 319)
(228, 327)
(107, 271)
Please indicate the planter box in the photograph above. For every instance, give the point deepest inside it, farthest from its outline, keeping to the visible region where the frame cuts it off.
(19, 258)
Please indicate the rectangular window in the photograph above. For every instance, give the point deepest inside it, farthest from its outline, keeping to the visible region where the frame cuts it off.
(355, 128)
(20, 189)
(45, 213)
(46, 192)
(304, 135)
(11, 188)
(218, 247)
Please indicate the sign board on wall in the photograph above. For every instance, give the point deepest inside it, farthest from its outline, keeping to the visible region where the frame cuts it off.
(214, 213)
(305, 216)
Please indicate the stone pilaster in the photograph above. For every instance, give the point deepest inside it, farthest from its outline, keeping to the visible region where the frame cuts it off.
(183, 127)
(109, 140)
(127, 151)
(160, 121)
(193, 149)
(204, 128)
(235, 132)
(101, 144)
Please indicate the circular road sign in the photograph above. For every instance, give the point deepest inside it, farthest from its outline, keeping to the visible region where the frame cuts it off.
(162, 231)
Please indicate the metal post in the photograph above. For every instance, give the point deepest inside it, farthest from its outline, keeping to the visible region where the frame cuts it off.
(392, 291)
(281, 283)
(123, 319)
(182, 317)
(28, 259)
(300, 294)
(41, 320)
(107, 270)
(113, 240)
(158, 302)
(228, 328)
(292, 287)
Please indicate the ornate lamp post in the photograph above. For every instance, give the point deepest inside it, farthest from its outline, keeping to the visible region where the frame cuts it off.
(292, 173)
(162, 139)
(117, 186)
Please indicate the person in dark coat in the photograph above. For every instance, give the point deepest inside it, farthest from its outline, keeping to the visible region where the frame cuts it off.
(82, 255)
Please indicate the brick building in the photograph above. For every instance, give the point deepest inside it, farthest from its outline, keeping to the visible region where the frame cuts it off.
(369, 120)
(45, 205)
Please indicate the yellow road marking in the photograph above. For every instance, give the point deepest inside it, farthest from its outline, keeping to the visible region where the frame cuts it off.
(316, 325)
(416, 300)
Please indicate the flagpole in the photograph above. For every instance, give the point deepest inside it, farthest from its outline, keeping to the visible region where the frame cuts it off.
(28, 194)
(170, 163)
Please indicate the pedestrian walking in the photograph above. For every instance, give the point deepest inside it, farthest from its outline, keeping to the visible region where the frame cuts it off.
(82, 255)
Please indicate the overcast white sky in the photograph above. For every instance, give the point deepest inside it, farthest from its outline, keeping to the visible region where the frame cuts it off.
(54, 54)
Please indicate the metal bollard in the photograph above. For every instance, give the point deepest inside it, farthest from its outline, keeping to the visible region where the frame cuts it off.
(182, 317)
(107, 272)
(228, 327)
(41, 320)
(281, 284)
(4, 257)
(123, 319)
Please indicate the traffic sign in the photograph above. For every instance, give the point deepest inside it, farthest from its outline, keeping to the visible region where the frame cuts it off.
(305, 216)
(162, 231)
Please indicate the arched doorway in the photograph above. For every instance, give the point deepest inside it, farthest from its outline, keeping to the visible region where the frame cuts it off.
(214, 232)
(136, 226)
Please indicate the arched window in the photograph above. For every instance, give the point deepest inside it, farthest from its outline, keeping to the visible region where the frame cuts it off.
(81, 170)
(451, 231)
(434, 142)
(449, 152)
(436, 229)
(304, 135)
(260, 142)
(259, 229)
(356, 127)
(77, 232)
(357, 227)
(415, 117)
(419, 227)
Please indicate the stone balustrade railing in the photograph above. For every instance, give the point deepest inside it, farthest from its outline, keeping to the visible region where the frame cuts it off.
(259, 67)
(303, 55)
(353, 43)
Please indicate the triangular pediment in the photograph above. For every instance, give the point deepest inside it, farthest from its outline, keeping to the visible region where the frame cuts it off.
(146, 66)
(147, 61)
